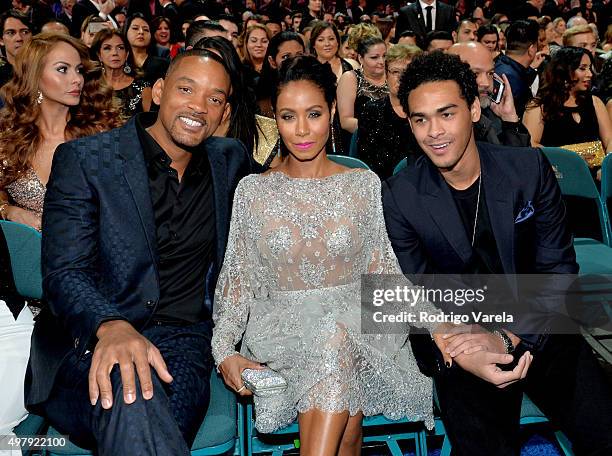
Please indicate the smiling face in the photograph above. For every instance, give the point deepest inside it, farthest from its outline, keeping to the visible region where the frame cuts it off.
(162, 34)
(326, 45)
(113, 53)
(62, 78)
(441, 121)
(373, 61)
(139, 33)
(192, 100)
(286, 50)
(583, 75)
(257, 44)
(303, 118)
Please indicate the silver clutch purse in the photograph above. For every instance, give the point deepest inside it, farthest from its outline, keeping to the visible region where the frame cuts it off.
(264, 382)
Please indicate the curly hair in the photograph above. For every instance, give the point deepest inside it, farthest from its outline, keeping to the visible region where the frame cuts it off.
(557, 82)
(361, 32)
(20, 135)
(438, 67)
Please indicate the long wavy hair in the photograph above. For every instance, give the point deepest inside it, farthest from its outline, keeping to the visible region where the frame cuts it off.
(20, 136)
(558, 80)
(244, 39)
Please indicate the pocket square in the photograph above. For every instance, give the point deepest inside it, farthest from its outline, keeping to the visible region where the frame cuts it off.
(525, 213)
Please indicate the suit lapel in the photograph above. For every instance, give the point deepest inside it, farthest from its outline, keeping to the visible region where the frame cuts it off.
(420, 18)
(136, 176)
(499, 197)
(218, 167)
(443, 210)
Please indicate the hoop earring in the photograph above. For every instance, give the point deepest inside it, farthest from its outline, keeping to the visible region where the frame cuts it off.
(127, 69)
(40, 97)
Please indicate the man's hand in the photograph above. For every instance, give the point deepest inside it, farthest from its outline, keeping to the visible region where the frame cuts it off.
(539, 58)
(106, 6)
(119, 343)
(483, 364)
(506, 109)
(472, 341)
(231, 368)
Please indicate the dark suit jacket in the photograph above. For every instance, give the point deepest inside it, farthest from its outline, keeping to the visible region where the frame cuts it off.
(428, 236)
(412, 17)
(99, 249)
(80, 11)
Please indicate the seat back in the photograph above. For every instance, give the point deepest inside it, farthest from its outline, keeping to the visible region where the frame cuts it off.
(401, 165)
(24, 244)
(606, 183)
(350, 162)
(575, 179)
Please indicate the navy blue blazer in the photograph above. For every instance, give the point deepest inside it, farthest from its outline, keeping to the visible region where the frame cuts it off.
(525, 208)
(99, 254)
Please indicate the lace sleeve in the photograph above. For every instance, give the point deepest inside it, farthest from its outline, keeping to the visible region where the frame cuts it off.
(233, 292)
(384, 261)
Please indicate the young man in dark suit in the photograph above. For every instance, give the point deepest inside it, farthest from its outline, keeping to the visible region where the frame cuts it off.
(424, 16)
(135, 226)
(483, 209)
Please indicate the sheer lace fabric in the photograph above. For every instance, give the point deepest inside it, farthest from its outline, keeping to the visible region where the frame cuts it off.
(290, 285)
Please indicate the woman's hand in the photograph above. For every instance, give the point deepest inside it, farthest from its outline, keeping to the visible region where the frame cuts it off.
(231, 368)
(24, 216)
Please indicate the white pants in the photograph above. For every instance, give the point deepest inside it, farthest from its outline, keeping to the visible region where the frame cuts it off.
(14, 353)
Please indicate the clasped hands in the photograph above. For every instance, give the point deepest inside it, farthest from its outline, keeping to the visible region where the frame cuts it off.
(479, 352)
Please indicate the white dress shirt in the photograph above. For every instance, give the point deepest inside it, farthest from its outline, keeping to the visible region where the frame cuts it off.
(433, 13)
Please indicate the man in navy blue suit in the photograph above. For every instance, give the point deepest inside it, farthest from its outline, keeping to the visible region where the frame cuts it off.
(135, 226)
(483, 209)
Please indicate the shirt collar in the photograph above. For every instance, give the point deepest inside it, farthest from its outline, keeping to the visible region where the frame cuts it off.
(425, 5)
(150, 148)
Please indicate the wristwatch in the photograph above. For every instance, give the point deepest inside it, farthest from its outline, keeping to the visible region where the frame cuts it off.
(508, 345)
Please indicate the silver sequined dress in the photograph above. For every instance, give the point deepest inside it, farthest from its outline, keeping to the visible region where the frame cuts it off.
(290, 289)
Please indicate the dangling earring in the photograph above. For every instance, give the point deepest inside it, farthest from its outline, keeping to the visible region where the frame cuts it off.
(127, 69)
(332, 138)
(40, 97)
(278, 150)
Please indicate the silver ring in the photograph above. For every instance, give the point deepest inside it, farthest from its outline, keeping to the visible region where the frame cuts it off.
(241, 388)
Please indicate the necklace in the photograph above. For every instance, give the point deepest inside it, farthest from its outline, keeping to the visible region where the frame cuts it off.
(477, 207)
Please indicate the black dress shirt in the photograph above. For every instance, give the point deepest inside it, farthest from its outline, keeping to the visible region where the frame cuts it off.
(185, 226)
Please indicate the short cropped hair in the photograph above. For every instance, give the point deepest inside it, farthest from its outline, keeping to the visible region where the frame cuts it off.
(438, 67)
(520, 35)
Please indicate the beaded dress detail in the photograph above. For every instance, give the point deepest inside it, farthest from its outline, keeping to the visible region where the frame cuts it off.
(28, 192)
(290, 289)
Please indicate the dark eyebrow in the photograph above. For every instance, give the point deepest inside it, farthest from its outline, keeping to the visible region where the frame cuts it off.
(191, 81)
(439, 110)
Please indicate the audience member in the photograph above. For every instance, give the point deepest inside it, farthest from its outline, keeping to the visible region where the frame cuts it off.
(85, 8)
(53, 96)
(357, 87)
(16, 31)
(521, 50)
(325, 46)
(424, 16)
(438, 41)
(499, 122)
(254, 46)
(230, 24)
(121, 376)
(111, 49)
(143, 48)
(581, 36)
(385, 137)
(489, 37)
(284, 319)
(163, 35)
(449, 215)
(203, 29)
(55, 27)
(466, 31)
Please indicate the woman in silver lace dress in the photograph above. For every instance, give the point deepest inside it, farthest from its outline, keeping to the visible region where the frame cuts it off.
(300, 238)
